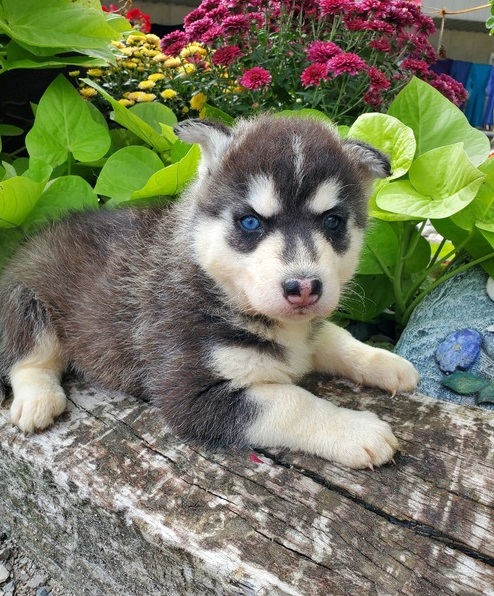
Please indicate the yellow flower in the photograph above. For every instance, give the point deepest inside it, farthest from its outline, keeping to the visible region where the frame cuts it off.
(127, 51)
(186, 69)
(160, 57)
(172, 62)
(193, 49)
(154, 39)
(88, 92)
(74, 73)
(129, 64)
(156, 76)
(145, 85)
(118, 44)
(126, 103)
(141, 97)
(197, 101)
(94, 72)
(168, 94)
(136, 39)
(185, 110)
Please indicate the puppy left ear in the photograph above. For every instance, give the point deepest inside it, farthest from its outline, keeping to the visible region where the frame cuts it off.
(370, 160)
(213, 138)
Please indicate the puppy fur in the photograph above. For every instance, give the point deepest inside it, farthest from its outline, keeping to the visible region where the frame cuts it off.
(215, 308)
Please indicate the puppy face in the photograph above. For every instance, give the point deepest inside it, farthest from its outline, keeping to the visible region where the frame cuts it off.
(281, 206)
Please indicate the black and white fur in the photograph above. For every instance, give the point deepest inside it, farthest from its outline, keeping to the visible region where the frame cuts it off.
(215, 308)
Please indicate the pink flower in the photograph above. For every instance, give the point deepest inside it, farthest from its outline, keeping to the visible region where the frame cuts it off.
(196, 29)
(416, 66)
(334, 7)
(195, 15)
(381, 45)
(346, 63)
(237, 23)
(226, 55)
(314, 74)
(173, 43)
(322, 51)
(378, 79)
(255, 78)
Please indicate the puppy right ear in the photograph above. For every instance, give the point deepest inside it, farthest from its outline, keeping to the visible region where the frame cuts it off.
(213, 137)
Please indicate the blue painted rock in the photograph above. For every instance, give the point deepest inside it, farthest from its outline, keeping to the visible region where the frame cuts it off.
(459, 303)
(458, 350)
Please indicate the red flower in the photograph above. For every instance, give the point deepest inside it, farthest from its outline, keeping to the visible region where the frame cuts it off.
(196, 29)
(255, 78)
(173, 43)
(334, 7)
(416, 66)
(139, 20)
(226, 55)
(346, 63)
(237, 23)
(322, 51)
(314, 74)
(378, 79)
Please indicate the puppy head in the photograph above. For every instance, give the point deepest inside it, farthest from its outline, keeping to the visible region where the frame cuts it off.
(280, 211)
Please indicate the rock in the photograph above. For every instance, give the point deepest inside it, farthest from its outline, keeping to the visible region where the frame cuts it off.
(490, 288)
(4, 574)
(43, 592)
(459, 303)
(458, 350)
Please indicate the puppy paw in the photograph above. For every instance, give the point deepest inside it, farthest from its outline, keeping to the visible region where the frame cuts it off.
(35, 409)
(389, 372)
(363, 440)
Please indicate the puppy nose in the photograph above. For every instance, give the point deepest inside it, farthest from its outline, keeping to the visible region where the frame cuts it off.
(302, 292)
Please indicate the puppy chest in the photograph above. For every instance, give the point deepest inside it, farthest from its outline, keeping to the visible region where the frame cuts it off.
(247, 366)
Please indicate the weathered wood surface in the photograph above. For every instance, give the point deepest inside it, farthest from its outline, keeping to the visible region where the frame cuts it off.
(112, 504)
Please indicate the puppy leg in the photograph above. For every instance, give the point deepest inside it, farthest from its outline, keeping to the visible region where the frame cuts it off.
(338, 352)
(289, 416)
(35, 380)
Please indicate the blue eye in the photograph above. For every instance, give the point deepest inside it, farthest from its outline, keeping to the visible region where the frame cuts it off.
(332, 222)
(250, 223)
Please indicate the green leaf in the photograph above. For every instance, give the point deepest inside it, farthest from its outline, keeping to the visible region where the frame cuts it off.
(421, 256)
(310, 113)
(464, 383)
(442, 182)
(66, 25)
(391, 136)
(436, 121)
(64, 195)
(366, 297)
(9, 130)
(480, 211)
(486, 395)
(171, 180)
(133, 122)
(217, 114)
(64, 125)
(154, 114)
(9, 241)
(126, 171)
(18, 57)
(18, 196)
(380, 248)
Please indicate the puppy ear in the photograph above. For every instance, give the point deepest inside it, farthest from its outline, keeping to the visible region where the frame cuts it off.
(213, 138)
(370, 160)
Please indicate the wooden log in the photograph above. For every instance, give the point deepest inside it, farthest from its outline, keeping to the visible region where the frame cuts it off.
(111, 503)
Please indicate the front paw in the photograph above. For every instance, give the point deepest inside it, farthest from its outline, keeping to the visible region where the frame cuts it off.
(363, 440)
(388, 371)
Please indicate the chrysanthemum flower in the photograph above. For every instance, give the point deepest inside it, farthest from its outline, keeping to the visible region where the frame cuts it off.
(126, 103)
(226, 55)
(314, 74)
(141, 97)
(168, 94)
(322, 51)
(255, 78)
(173, 43)
(145, 85)
(333, 7)
(197, 101)
(88, 92)
(346, 62)
(156, 76)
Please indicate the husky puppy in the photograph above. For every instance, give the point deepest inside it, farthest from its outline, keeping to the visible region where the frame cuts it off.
(215, 308)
